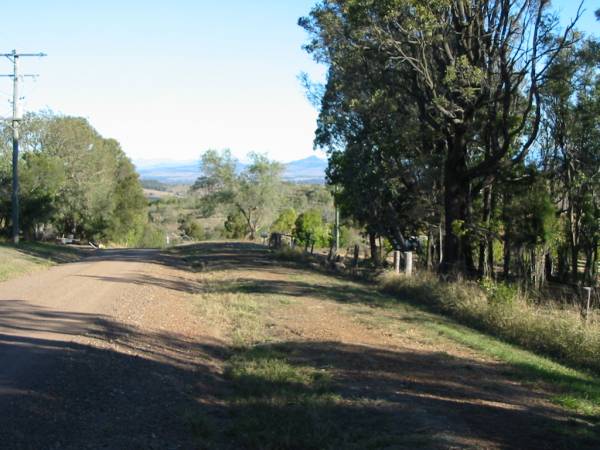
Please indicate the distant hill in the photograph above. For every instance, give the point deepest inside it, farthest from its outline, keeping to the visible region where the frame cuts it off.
(154, 185)
(309, 170)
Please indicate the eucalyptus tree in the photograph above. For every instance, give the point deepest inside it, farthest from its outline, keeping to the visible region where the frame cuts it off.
(472, 70)
(571, 154)
(255, 193)
(372, 134)
(74, 181)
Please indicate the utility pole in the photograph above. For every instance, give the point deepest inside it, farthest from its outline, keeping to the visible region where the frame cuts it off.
(16, 118)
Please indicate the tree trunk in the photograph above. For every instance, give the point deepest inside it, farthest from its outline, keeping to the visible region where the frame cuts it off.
(591, 263)
(562, 269)
(374, 251)
(440, 246)
(457, 246)
(429, 253)
(484, 247)
(548, 269)
(574, 262)
(356, 255)
(507, 236)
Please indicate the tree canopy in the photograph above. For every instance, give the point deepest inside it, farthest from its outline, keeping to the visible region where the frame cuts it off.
(437, 116)
(73, 181)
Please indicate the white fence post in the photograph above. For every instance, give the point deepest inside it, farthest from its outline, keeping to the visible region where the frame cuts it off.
(397, 261)
(408, 263)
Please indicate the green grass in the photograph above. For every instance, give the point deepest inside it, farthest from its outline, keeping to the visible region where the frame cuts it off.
(241, 315)
(279, 397)
(278, 403)
(575, 390)
(29, 257)
(295, 402)
(400, 312)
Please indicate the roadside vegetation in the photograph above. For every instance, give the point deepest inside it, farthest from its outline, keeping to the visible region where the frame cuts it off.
(31, 257)
(288, 387)
(74, 182)
(558, 331)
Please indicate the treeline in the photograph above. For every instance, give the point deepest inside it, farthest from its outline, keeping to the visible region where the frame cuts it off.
(475, 124)
(254, 203)
(73, 182)
(155, 185)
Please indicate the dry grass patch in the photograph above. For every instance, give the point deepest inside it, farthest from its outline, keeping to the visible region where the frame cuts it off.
(501, 310)
(30, 257)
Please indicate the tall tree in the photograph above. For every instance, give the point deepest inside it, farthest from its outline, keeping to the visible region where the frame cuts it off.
(74, 181)
(254, 193)
(473, 70)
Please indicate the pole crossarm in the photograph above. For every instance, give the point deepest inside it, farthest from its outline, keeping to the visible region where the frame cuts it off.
(14, 54)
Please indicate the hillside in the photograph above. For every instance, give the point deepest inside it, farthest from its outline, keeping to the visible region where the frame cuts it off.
(309, 170)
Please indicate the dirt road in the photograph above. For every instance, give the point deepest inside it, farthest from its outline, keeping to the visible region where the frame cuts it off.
(99, 354)
(123, 349)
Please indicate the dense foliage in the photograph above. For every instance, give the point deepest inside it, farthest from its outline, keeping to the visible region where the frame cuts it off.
(73, 181)
(473, 123)
(256, 199)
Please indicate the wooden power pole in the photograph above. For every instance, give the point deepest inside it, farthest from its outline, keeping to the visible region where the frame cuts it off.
(16, 118)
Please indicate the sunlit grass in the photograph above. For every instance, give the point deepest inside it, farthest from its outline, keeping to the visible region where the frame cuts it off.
(29, 257)
(277, 401)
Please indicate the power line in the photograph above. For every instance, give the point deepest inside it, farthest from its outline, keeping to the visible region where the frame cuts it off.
(16, 118)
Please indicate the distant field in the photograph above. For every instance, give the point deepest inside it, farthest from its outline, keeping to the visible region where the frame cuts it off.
(154, 194)
(31, 257)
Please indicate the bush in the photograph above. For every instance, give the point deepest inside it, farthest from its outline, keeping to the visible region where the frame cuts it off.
(192, 229)
(152, 237)
(499, 293)
(285, 222)
(236, 226)
(309, 228)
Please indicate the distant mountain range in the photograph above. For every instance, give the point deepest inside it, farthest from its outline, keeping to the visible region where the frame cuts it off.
(309, 170)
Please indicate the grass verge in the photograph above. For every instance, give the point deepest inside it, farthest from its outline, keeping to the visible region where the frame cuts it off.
(521, 334)
(29, 257)
(575, 389)
(277, 398)
(289, 395)
(555, 332)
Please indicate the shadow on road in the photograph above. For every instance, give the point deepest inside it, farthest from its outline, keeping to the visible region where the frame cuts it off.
(384, 399)
(213, 256)
(131, 389)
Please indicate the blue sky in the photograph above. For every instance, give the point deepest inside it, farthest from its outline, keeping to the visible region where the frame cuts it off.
(171, 79)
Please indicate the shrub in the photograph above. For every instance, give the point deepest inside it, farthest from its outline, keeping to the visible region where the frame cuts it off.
(189, 227)
(285, 222)
(310, 228)
(195, 231)
(499, 293)
(152, 237)
(236, 226)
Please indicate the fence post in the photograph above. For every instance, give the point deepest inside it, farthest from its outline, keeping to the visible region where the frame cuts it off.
(408, 263)
(397, 261)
